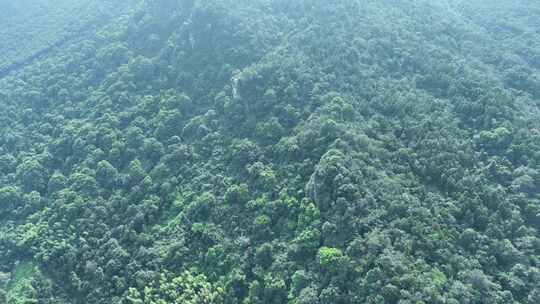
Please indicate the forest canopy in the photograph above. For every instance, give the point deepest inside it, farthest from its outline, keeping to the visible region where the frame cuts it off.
(270, 151)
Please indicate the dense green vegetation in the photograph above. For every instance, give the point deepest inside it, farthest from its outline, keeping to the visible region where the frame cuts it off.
(270, 151)
(31, 28)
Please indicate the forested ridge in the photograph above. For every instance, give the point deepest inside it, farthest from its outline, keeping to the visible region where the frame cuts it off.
(31, 28)
(270, 151)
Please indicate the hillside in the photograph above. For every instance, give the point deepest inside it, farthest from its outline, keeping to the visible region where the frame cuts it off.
(30, 29)
(270, 151)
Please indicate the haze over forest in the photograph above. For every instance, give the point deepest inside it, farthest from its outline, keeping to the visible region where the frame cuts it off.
(269, 152)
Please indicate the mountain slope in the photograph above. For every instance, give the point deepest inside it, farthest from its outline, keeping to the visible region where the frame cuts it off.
(277, 152)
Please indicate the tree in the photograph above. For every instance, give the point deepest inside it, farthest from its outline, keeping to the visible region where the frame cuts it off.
(10, 200)
(188, 287)
(56, 183)
(330, 258)
(33, 176)
(83, 183)
(136, 172)
(7, 163)
(237, 194)
(106, 174)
